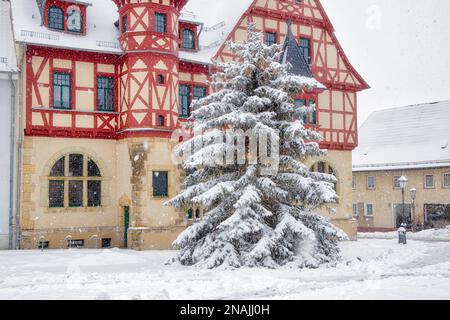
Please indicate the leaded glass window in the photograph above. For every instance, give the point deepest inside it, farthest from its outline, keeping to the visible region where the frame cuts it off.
(62, 90)
(105, 94)
(160, 22)
(75, 181)
(56, 18)
(188, 39)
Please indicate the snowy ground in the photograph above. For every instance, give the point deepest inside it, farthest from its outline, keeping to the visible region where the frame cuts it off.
(371, 269)
(426, 235)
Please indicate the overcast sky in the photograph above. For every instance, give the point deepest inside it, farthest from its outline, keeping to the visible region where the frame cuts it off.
(400, 47)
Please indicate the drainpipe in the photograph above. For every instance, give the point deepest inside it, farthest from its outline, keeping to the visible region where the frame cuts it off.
(19, 149)
(12, 151)
(199, 34)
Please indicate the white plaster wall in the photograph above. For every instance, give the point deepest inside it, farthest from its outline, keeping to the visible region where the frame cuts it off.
(5, 121)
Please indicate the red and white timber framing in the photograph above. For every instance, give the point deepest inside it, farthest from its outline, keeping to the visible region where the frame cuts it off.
(337, 106)
(147, 76)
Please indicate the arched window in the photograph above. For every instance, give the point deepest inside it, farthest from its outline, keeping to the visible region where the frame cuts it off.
(188, 39)
(74, 19)
(56, 18)
(323, 167)
(75, 181)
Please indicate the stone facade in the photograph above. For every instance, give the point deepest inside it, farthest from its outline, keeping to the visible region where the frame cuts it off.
(385, 195)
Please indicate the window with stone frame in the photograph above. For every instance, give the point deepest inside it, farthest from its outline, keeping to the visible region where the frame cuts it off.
(355, 210)
(429, 181)
(78, 243)
(75, 181)
(396, 182)
(371, 183)
(324, 167)
(160, 184)
(446, 180)
(369, 212)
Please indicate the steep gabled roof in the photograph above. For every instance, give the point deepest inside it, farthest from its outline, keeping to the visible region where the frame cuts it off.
(221, 19)
(409, 137)
(292, 54)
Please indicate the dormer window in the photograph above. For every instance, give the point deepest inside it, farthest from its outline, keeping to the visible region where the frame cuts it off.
(67, 15)
(188, 39)
(74, 19)
(56, 18)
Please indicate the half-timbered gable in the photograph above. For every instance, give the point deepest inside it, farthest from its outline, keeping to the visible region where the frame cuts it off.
(336, 107)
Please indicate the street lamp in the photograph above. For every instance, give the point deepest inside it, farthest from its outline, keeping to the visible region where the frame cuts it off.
(402, 181)
(413, 192)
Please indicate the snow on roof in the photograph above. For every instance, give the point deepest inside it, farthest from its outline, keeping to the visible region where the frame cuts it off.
(101, 33)
(85, 3)
(411, 137)
(8, 61)
(219, 20)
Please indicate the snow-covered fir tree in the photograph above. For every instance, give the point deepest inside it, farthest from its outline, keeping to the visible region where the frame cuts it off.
(252, 218)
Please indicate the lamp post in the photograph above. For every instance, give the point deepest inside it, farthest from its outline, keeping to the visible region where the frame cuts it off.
(413, 192)
(402, 181)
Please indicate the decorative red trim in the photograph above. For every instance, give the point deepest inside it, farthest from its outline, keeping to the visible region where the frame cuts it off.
(178, 4)
(190, 67)
(66, 54)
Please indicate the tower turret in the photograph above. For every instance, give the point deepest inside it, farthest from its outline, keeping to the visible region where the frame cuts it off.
(148, 74)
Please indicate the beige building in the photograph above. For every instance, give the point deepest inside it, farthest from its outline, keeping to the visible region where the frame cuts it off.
(413, 142)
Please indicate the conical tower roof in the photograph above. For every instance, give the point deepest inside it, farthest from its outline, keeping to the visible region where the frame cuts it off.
(292, 54)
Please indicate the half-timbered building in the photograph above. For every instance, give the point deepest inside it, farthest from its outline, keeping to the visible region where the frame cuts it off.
(107, 82)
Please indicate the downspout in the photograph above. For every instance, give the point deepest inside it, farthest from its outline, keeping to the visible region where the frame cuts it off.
(19, 149)
(199, 34)
(12, 150)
